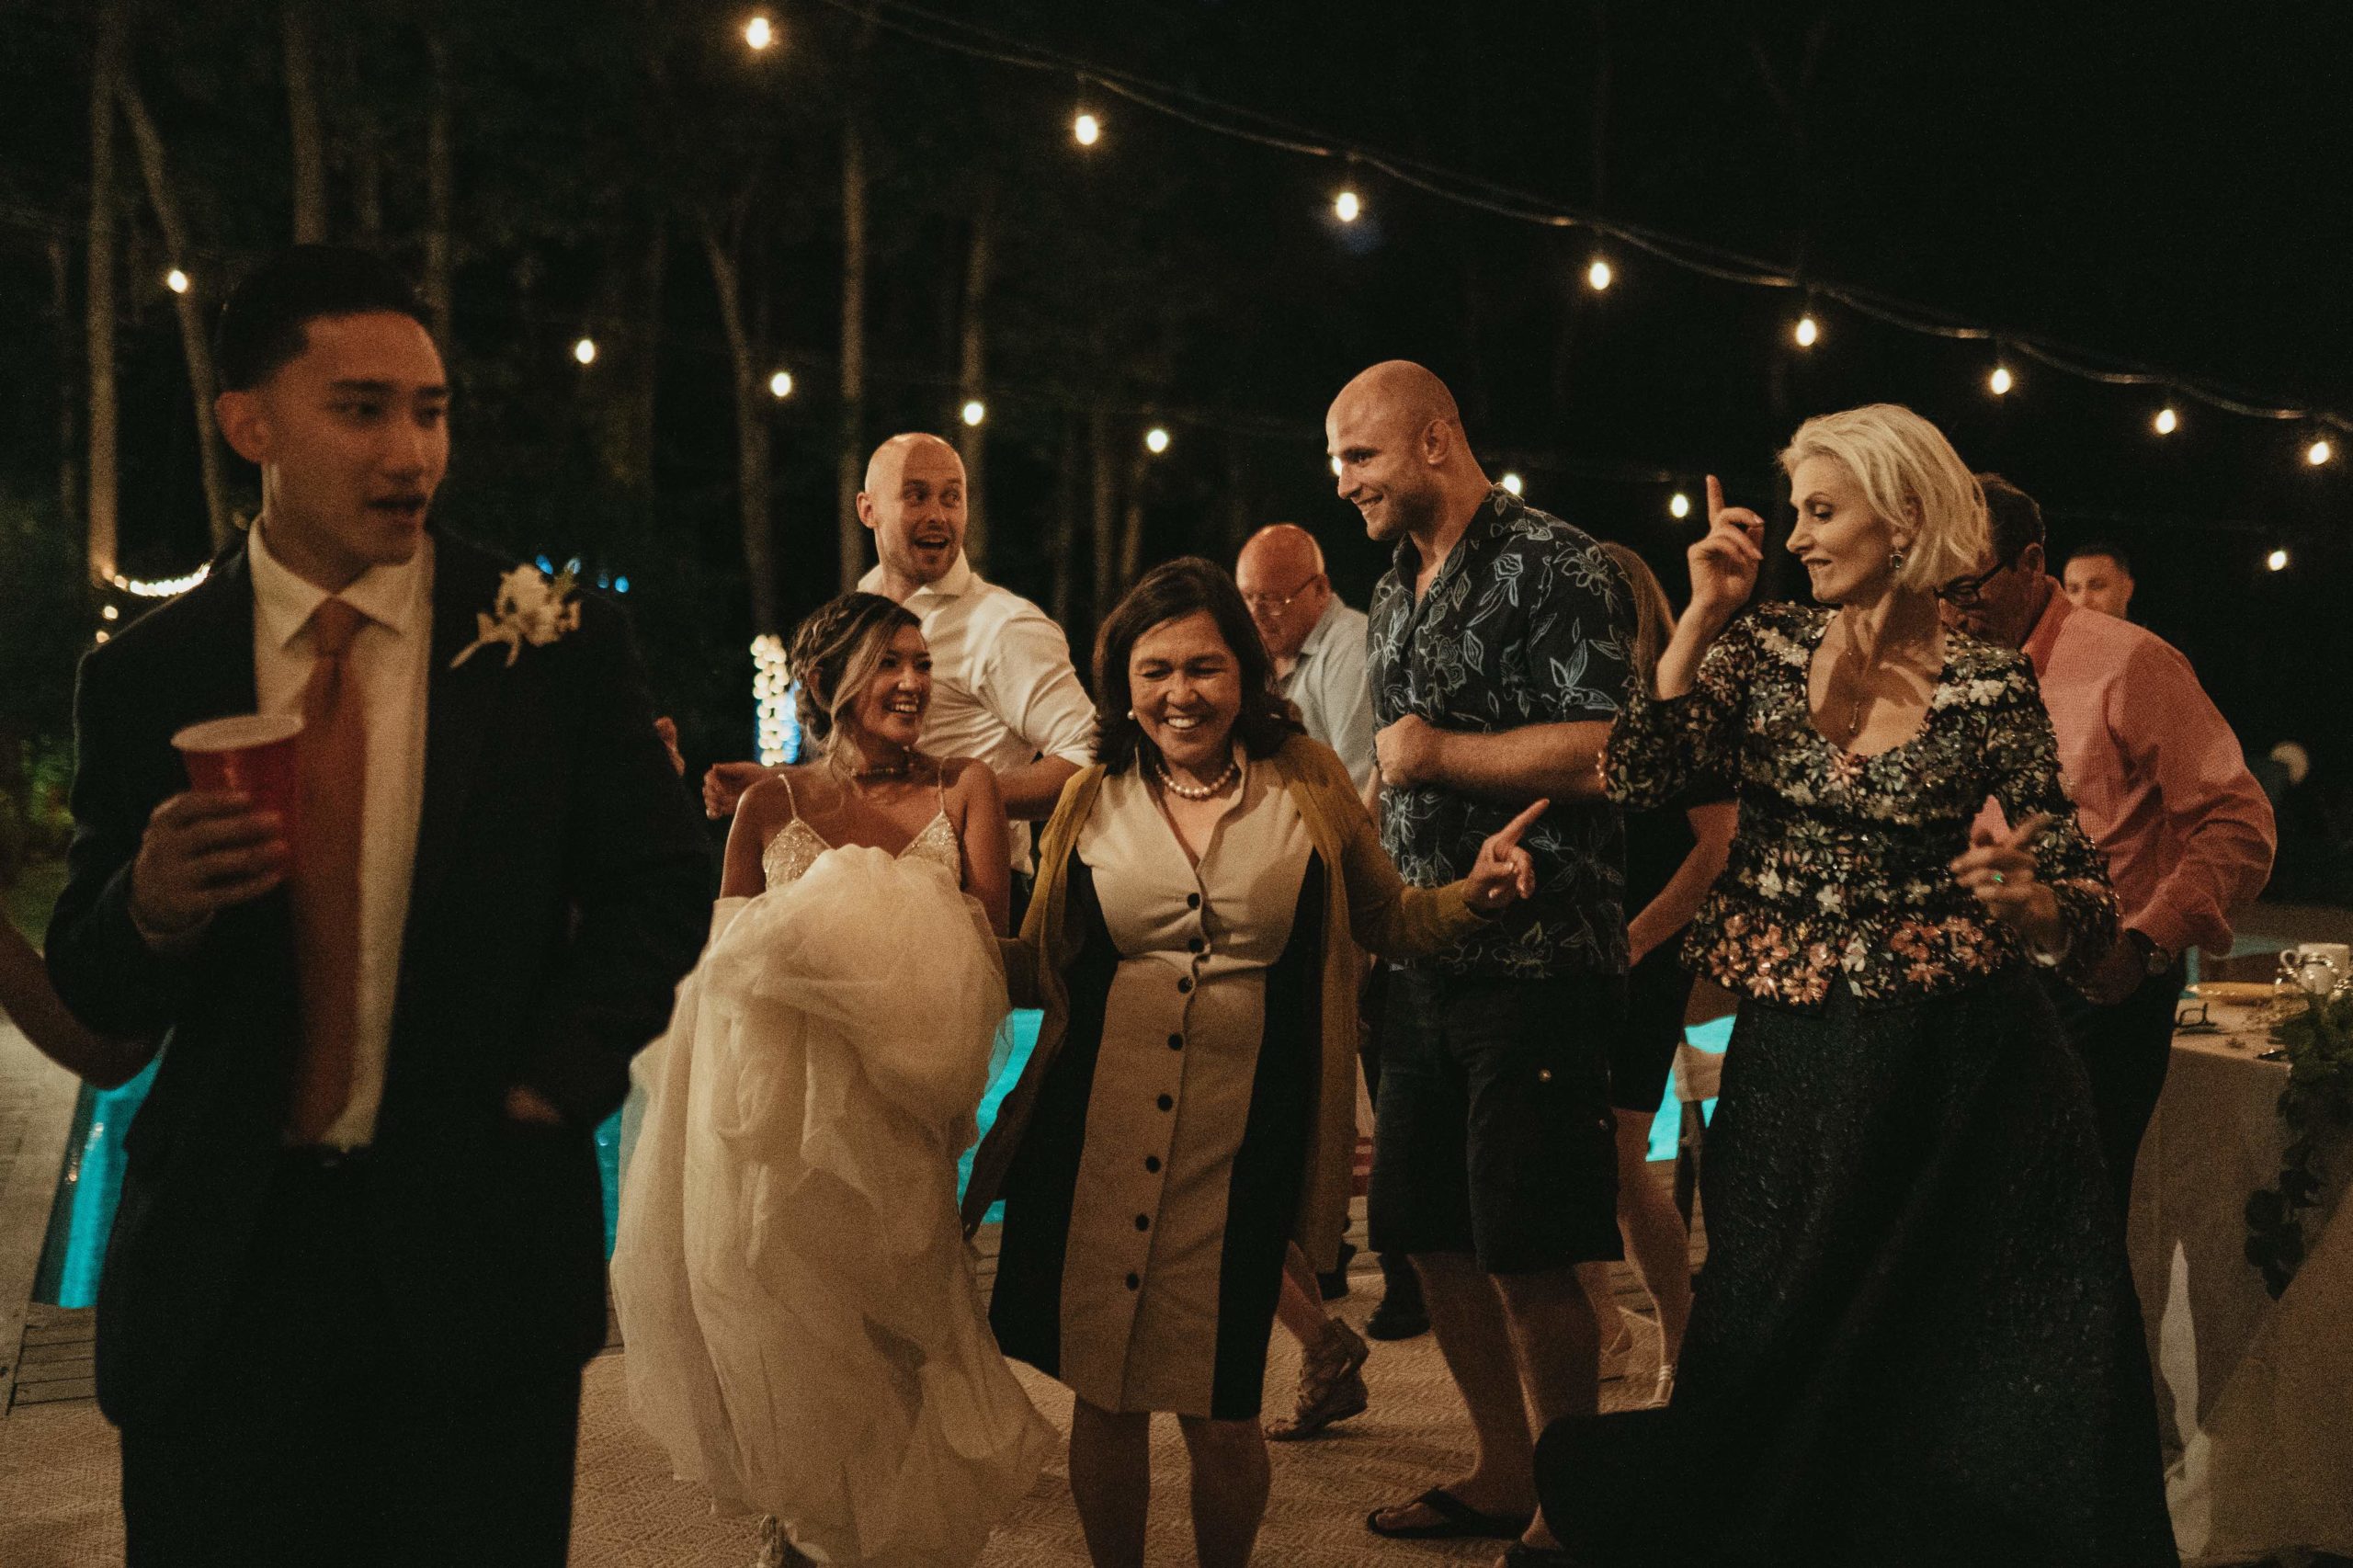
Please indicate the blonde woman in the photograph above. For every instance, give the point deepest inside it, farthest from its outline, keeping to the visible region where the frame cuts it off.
(1914, 1340)
(803, 1334)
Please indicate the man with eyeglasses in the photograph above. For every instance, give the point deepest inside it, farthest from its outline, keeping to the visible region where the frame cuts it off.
(2158, 779)
(1318, 642)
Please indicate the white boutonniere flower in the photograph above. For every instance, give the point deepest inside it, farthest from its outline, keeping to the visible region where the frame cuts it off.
(531, 607)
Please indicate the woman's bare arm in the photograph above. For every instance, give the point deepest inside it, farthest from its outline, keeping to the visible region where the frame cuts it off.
(988, 851)
(1677, 902)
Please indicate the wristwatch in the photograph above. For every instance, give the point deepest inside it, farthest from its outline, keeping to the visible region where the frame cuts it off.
(2154, 959)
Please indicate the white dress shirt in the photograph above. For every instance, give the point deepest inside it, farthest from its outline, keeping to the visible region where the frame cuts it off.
(1332, 689)
(391, 656)
(1002, 687)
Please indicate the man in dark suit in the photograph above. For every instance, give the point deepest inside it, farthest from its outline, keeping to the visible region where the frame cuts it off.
(358, 1261)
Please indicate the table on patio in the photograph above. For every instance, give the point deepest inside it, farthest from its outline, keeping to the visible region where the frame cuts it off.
(2254, 1396)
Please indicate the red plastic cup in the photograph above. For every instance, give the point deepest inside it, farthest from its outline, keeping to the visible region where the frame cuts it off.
(252, 754)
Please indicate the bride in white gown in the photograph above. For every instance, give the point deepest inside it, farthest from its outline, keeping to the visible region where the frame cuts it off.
(803, 1334)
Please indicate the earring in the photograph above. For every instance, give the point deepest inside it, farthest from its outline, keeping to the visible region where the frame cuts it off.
(1131, 713)
(1895, 559)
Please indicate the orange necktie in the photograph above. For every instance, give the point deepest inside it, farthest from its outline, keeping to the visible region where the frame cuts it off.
(327, 873)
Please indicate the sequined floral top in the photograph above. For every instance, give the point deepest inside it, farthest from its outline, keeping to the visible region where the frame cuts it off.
(1841, 863)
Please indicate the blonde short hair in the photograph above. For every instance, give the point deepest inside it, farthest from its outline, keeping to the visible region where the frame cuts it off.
(1913, 481)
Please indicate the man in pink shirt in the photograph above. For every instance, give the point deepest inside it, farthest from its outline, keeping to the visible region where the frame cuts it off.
(2158, 779)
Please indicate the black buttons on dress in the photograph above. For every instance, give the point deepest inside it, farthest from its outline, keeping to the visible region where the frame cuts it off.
(1198, 945)
(1186, 983)
(1143, 1222)
(1175, 1042)
(1135, 1281)
(1152, 1164)
(1192, 901)
(1167, 1104)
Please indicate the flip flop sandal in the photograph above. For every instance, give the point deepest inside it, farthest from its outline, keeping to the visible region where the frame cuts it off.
(1457, 1520)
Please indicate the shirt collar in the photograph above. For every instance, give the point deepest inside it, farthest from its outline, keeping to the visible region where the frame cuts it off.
(1321, 630)
(953, 584)
(2045, 635)
(1486, 520)
(283, 602)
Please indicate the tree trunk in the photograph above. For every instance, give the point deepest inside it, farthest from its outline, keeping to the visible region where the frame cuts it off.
(970, 380)
(188, 304)
(302, 122)
(69, 474)
(98, 296)
(1106, 465)
(1066, 540)
(1132, 523)
(439, 195)
(851, 469)
(751, 436)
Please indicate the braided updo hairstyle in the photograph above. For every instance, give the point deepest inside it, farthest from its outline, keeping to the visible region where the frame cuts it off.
(834, 653)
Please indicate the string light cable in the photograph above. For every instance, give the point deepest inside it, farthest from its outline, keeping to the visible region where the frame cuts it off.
(924, 26)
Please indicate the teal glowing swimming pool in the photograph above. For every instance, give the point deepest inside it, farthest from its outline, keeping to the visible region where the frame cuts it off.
(92, 1182)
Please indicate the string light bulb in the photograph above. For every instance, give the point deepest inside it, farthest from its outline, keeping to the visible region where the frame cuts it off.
(781, 385)
(584, 351)
(2000, 381)
(1155, 440)
(176, 280)
(1511, 482)
(2277, 561)
(1086, 131)
(1599, 274)
(1807, 330)
(108, 612)
(2319, 452)
(1346, 207)
(1679, 505)
(2168, 420)
(1336, 468)
(974, 411)
(759, 32)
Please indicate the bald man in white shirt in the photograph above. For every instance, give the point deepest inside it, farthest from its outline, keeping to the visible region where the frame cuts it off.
(1003, 688)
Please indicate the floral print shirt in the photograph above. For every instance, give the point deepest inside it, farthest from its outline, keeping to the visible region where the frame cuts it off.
(1840, 866)
(1527, 622)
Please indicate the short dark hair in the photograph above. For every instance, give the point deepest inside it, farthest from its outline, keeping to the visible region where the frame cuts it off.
(2011, 517)
(263, 325)
(1170, 592)
(2107, 547)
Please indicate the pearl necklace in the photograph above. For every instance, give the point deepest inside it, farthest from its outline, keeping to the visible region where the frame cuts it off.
(1201, 792)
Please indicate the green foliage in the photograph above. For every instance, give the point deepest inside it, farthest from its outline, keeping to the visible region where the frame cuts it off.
(2316, 1105)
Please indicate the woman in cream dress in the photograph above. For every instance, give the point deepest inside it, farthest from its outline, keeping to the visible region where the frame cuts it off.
(1189, 1109)
(803, 1334)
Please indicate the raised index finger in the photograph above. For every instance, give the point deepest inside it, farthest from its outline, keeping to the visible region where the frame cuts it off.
(1522, 822)
(1715, 497)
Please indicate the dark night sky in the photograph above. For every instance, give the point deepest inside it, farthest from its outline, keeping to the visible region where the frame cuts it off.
(2161, 184)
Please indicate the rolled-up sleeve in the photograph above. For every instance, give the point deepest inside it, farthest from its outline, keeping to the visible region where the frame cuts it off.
(1027, 682)
(1344, 697)
(2215, 812)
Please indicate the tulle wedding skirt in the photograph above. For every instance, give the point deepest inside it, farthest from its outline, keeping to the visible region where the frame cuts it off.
(803, 1332)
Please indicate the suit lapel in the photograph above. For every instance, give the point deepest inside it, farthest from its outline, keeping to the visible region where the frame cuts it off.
(215, 657)
(459, 706)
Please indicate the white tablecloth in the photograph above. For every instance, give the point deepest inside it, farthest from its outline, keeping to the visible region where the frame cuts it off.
(2254, 1397)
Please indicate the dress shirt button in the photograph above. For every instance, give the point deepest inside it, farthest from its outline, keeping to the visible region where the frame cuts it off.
(1152, 1164)
(1143, 1222)
(1192, 901)
(1167, 1104)
(1198, 945)
(1175, 1042)
(1186, 983)
(1135, 1281)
